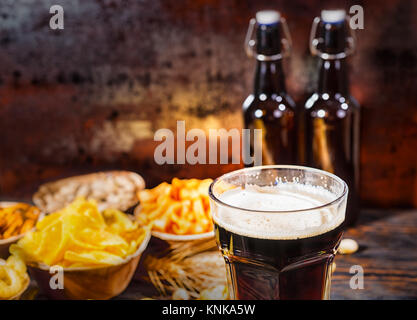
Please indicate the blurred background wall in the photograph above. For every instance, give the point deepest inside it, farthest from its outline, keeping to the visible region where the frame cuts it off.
(91, 96)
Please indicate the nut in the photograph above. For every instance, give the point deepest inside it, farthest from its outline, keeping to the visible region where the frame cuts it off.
(110, 189)
(348, 246)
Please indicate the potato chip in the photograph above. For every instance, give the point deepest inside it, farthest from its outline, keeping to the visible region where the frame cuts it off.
(80, 235)
(92, 258)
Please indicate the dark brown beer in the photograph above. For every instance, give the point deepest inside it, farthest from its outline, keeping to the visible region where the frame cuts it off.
(278, 228)
(267, 269)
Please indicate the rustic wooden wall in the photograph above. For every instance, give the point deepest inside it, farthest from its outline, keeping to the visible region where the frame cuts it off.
(90, 97)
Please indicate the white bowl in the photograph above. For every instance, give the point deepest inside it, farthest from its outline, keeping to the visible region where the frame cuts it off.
(185, 237)
(178, 237)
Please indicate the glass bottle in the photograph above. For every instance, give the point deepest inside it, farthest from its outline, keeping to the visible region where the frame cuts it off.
(332, 115)
(270, 107)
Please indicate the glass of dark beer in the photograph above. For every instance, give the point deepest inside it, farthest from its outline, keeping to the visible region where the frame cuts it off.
(278, 228)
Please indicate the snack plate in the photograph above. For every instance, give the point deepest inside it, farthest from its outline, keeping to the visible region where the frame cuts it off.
(186, 237)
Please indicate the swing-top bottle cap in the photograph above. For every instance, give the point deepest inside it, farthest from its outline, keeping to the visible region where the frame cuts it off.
(268, 38)
(333, 16)
(267, 17)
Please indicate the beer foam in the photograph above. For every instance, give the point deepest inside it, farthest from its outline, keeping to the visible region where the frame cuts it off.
(270, 217)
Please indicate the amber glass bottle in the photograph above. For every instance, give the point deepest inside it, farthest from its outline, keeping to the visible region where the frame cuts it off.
(269, 107)
(332, 115)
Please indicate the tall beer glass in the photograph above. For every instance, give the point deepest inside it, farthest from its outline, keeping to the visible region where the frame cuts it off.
(278, 228)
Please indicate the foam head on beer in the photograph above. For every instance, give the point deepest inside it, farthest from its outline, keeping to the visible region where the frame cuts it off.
(285, 211)
(333, 16)
(267, 17)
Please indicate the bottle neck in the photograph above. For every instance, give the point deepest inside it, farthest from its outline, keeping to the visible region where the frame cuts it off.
(269, 78)
(333, 77)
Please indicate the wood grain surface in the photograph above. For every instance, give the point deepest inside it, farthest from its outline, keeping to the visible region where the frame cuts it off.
(387, 254)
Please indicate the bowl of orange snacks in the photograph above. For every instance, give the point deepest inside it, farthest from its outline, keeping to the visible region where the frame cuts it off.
(15, 220)
(94, 252)
(177, 211)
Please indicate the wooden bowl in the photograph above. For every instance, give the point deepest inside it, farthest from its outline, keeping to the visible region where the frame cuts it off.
(19, 294)
(119, 193)
(6, 243)
(98, 283)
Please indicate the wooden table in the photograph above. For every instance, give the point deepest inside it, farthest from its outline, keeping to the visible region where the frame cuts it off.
(387, 254)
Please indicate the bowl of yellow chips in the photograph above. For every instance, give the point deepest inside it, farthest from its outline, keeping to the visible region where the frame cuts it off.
(79, 252)
(177, 211)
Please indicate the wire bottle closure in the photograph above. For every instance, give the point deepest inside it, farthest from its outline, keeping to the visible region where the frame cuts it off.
(314, 42)
(250, 43)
